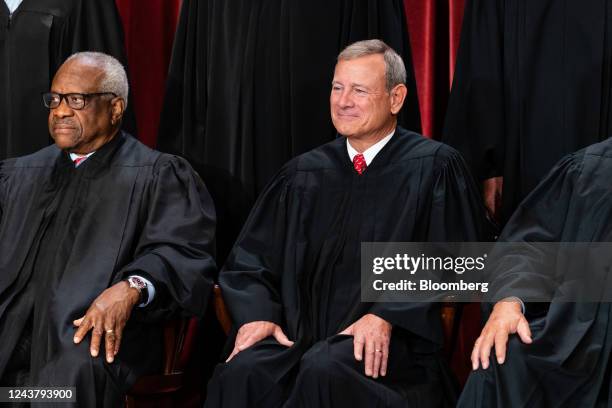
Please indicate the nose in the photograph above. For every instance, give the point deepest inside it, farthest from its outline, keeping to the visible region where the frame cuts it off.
(344, 99)
(63, 110)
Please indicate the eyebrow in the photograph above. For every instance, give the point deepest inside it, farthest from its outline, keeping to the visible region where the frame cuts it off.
(352, 85)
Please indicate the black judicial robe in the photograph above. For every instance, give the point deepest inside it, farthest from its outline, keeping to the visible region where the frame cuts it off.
(67, 233)
(248, 88)
(568, 363)
(532, 84)
(34, 41)
(297, 263)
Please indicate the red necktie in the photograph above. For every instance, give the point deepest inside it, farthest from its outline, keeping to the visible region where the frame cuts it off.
(359, 163)
(79, 160)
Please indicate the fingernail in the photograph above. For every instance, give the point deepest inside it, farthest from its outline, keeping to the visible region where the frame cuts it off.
(76, 339)
(94, 353)
(109, 359)
(500, 360)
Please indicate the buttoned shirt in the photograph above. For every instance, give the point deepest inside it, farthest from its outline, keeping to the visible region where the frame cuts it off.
(371, 151)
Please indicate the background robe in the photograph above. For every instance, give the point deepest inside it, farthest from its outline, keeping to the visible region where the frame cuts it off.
(34, 41)
(67, 234)
(568, 363)
(532, 84)
(297, 263)
(248, 88)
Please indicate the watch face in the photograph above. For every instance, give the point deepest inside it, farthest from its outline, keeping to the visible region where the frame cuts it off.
(137, 282)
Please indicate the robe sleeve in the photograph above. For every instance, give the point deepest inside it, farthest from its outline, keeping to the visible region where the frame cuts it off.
(454, 213)
(541, 217)
(176, 245)
(475, 118)
(251, 277)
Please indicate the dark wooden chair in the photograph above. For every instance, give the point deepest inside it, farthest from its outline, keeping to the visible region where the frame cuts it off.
(159, 390)
(221, 311)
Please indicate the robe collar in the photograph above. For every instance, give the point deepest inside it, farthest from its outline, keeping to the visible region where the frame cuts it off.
(381, 158)
(96, 163)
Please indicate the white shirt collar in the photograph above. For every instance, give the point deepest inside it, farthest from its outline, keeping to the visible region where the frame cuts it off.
(371, 151)
(74, 156)
(12, 5)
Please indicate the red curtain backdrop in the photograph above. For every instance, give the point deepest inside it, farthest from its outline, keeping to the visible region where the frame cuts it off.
(149, 27)
(435, 26)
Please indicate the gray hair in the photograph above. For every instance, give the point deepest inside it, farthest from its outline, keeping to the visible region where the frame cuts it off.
(114, 79)
(395, 71)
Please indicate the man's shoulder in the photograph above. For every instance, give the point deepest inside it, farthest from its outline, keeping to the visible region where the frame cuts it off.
(591, 165)
(588, 161)
(44, 157)
(134, 153)
(410, 145)
(602, 149)
(326, 156)
(57, 8)
(414, 144)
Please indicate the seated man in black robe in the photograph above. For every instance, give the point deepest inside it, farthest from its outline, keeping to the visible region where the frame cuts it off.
(553, 351)
(302, 337)
(101, 240)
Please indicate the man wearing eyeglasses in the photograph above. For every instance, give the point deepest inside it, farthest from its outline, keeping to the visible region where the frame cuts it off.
(101, 240)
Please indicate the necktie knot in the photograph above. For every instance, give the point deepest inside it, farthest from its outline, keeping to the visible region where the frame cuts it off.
(359, 163)
(79, 160)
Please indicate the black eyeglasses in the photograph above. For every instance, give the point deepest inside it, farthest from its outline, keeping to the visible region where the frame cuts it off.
(76, 101)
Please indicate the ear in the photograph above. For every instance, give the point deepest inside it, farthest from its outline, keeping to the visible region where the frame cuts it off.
(398, 95)
(117, 109)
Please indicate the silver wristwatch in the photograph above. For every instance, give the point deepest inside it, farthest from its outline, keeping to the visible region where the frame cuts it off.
(141, 286)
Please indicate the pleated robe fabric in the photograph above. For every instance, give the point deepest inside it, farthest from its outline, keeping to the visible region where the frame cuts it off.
(568, 363)
(297, 264)
(533, 83)
(67, 234)
(34, 41)
(248, 88)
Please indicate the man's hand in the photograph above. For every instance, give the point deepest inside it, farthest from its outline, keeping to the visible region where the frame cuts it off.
(505, 319)
(107, 316)
(492, 195)
(373, 334)
(254, 332)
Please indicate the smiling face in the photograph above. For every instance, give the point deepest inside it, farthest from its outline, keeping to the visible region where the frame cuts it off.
(83, 131)
(361, 107)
